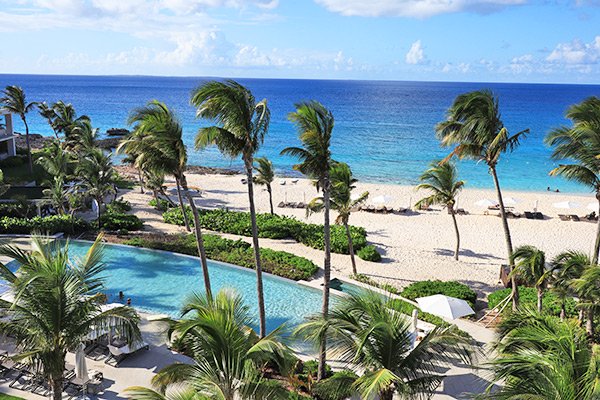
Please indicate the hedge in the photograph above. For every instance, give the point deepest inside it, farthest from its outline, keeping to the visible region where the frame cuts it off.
(118, 206)
(449, 288)
(337, 387)
(118, 221)
(235, 252)
(50, 225)
(528, 298)
(272, 227)
(369, 253)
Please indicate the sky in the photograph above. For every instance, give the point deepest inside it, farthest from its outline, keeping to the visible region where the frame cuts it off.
(429, 40)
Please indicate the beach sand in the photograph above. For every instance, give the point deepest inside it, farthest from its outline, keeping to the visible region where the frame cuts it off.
(415, 246)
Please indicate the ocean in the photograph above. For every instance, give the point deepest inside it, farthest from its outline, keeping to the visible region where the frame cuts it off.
(384, 130)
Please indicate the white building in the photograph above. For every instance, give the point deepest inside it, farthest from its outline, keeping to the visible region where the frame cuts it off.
(7, 135)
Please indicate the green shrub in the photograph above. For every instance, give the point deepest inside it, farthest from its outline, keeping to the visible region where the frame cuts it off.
(161, 205)
(369, 253)
(310, 368)
(12, 161)
(271, 227)
(450, 288)
(21, 209)
(528, 298)
(118, 207)
(116, 221)
(235, 252)
(384, 286)
(51, 225)
(337, 387)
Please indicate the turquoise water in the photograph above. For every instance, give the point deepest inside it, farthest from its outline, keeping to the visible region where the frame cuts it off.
(159, 282)
(384, 130)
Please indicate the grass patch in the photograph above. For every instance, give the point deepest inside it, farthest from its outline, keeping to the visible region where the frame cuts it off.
(528, 298)
(7, 397)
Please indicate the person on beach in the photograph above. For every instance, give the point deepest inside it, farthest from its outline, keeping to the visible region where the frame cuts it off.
(129, 301)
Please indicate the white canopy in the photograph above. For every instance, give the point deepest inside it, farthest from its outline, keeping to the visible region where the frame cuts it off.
(80, 364)
(592, 206)
(445, 306)
(486, 203)
(510, 201)
(567, 205)
(382, 199)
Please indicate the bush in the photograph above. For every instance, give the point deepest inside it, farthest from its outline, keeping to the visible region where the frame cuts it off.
(384, 286)
(450, 288)
(112, 221)
(161, 205)
(271, 227)
(235, 252)
(118, 207)
(310, 369)
(528, 298)
(369, 253)
(21, 209)
(12, 161)
(337, 387)
(50, 225)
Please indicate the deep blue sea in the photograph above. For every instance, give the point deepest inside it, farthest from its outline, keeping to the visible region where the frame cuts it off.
(384, 130)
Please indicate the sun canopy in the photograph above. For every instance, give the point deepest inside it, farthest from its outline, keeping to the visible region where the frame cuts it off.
(445, 306)
(382, 199)
(593, 206)
(567, 205)
(486, 203)
(510, 201)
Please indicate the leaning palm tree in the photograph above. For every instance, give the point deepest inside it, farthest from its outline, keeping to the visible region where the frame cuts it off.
(441, 180)
(315, 126)
(265, 174)
(56, 304)
(65, 118)
(369, 336)
(530, 268)
(155, 181)
(96, 176)
(160, 149)
(229, 356)
(474, 126)
(566, 267)
(342, 201)
(14, 101)
(49, 114)
(580, 144)
(55, 160)
(241, 126)
(541, 357)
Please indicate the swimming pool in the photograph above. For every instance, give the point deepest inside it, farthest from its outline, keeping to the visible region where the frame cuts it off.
(159, 282)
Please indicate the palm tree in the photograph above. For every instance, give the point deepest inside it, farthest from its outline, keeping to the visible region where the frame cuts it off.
(57, 304)
(586, 287)
(530, 267)
(56, 195)
(541, 357)
(581, 144)
(55, 160)
(369, 336)
(566, 267)
(96, 176)
(81, 137)
(160, 149)
(65, 118)
(474, 126)
(14, 101)
(49, 114)
(315, 126)
(342, 201)
(242, 124)
(265, 174)
(441, 179)
(155, 181)
(229, 356)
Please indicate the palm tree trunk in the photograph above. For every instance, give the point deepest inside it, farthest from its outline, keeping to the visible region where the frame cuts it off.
(387, 394)
(255, 245)
(597, 243)
(563, 311)
(509, 248)
(182, 205)
(57, 387)
(589, 324)
(456, 231)
(156, 199)
(270, 198)
(326, 275)
(28, 145)
(350, 248)
(199, 239)
(141, 179)
(540, 296)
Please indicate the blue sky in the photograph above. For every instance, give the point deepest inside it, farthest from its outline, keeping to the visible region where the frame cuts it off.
(448, 40)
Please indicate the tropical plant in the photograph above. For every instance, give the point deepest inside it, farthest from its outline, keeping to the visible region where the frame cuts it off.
(3, 185)
(155, 181)
(265, 174)
(366, 334)
(315, 126)
(530, 268)
(65, 118)
(159, 147)
(586, 286)
(474, 127)
(56, 304)
(342, 201)
(96, 176)
(56, 195)
(55, 160)
(441, 180)
(539, 356)
(580, 144)
(47, 112)
(229, 356)
(566, 267)
(13, 100)
(81, 137)
(241, 126)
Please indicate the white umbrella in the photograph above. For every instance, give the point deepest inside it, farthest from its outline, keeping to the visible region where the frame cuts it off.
(567, 205)
(445, 306)
(510, 201)
(593, 206)
(535, 205)
(382, 199)
(81, 371)
(486, 203)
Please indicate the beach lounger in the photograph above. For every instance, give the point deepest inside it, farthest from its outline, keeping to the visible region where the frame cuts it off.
(461, 211)
(24, 381)
(294, 181)
(575, 217)
(529, 215)
(281, 204)
(301, 205)
(538, 215)
(564, 217)
(120, 353)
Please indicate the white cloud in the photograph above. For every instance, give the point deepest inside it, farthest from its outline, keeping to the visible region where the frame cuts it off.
(413, 8)
(415, 55)
(576, 52)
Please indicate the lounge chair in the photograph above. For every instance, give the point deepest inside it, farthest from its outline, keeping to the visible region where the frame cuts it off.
(575, 217)
(24, 381)
(381, 210)
(281, 204)
(301, 205)
(564, 217)
(538, 215)
(294, 181)
(244, 181)
(120, 353)
(529, 215)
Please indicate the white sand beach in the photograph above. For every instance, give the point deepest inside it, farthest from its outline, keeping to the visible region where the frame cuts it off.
(415, 246)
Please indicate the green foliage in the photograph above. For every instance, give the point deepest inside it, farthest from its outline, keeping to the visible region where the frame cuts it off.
(369, 253)
(52, 224)
(272, 227)
(385, 286)
(311, 367)
(337, 387)
(12, 161)
(449, 288)
(119, 206)
(113, 221)
(551, 304)
(7, 397)
(18, 210)
(235, 252)
(161, 205)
